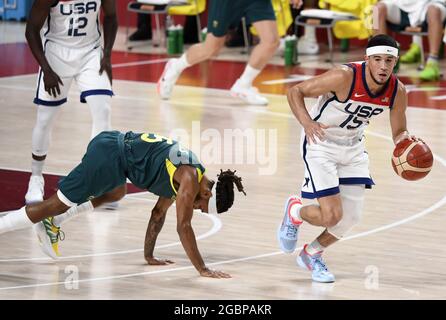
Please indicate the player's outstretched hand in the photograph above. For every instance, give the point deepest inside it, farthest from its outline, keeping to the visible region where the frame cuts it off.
(314, 129)
(107, 67)
(52, 81)
(206, 272)
(158, 262)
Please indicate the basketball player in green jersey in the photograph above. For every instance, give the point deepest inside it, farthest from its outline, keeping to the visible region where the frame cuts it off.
(151, 162)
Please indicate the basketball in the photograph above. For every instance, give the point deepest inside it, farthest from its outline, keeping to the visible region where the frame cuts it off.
(412, 160)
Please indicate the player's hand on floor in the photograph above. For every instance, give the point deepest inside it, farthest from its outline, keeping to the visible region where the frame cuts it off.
(314, 129)
(52, 81)
(206, 272)
(107, 67)
(158, 262)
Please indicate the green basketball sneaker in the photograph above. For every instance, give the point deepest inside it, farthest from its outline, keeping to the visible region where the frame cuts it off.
(49, 235)
(431, 72)
(413, 55)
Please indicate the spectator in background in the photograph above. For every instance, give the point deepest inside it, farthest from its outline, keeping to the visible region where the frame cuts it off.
(430, 15)
(144, 28)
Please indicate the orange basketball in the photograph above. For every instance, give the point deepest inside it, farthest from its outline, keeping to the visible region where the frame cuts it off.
(412, 160)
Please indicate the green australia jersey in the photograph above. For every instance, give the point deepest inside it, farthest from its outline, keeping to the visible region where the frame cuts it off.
(152, 160)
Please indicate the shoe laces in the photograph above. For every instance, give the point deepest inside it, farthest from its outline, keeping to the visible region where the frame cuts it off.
(53, 231)
(318, 263)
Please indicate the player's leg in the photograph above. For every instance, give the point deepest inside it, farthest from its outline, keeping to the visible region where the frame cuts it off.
(386, 11)
(352, 200)
(99, 178)
(47, 109)
(96, 91)
(31, 214)
(88, 206)
(197, 53)
(436, 14)
(218, 23)
(261, 15)
(321, 182)
(41, 136)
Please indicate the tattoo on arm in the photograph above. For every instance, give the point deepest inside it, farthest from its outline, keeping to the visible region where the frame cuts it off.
(153, 229)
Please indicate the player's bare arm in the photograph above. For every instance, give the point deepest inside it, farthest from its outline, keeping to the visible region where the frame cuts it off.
(398, 121)
(337, 80)
(39, 12)
(153, 229)
(187, 178)
(110, 30)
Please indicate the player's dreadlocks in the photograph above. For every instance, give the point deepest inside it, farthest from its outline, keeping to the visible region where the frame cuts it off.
(225, 189)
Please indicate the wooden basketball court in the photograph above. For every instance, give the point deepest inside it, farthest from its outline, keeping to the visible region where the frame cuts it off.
(397, 252)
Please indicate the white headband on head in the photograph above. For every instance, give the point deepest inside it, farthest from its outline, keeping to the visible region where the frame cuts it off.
(212, 207)
(382, 50)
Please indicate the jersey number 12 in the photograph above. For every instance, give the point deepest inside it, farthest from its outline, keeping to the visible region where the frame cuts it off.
(76, 26)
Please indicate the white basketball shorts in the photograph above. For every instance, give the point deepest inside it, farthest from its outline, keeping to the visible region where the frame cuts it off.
(327, 165)
(81, 65)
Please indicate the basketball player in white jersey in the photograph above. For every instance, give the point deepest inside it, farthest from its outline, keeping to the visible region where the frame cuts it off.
(333, 148)
(70, 50)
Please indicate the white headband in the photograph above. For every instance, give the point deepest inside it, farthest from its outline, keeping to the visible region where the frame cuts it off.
(382, 50)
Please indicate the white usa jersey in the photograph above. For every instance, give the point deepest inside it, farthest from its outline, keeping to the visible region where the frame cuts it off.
(348, 119)
(74, 24)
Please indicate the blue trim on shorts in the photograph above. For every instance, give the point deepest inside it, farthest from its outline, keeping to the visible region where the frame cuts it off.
(306, 163)
(305, 140)
(357, 180)
(320, 194)
(49, 103)
(104, 92)
(40, 75)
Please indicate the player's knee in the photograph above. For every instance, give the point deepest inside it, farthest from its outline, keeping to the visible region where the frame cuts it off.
(332, 216)
(215, 50)
(434, 12)
(271, 43)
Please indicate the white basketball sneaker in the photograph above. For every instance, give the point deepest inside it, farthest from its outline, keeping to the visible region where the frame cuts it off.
(248, 94)
(167, 80)
(35, 190)
(307, 46)
(315, 264)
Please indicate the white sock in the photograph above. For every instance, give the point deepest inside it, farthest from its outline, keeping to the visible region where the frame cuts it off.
(72, 212)
(314, 248)
(295, 214)
(14, 221)
(418, 40)
(432, 58)
(180, 64)
(248, 76)
(37, 167)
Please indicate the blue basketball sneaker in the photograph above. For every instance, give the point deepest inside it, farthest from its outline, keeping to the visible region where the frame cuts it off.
(288, 231)
(316, 265)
